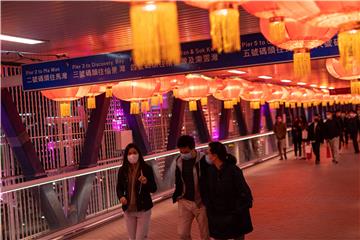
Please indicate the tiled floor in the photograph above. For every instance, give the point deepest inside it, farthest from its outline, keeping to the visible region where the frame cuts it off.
(293, 199)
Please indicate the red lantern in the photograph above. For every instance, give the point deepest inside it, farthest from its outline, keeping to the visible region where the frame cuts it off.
(193, 88)
(229, 93)
(256, 93)
(276, 95)
(163, 86)
(65, 96)
(300, 38)
(136, 91)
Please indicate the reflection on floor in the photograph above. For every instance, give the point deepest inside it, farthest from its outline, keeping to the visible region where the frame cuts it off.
(293, 199)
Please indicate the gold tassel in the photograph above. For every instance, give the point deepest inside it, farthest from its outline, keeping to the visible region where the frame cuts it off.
(305, 105)
(272, 105)
(293, 105)
(349, 45)
(355, 87)
(155, 100)
(302, 63)
(64, 109)
(91, 104)
(277, 30)
(255, 105)
(176, 92)
(262, 102)
(108, 92)
(134, 108)
(204, 101)
(331, 103)
(155, 33)
(287, 105)
(277, 105)
(234, 102)
(324, 103)
(145, 107)
(192, 105)
(225, 27)
(228, 104)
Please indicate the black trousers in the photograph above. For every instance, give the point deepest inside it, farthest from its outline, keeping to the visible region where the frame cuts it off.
(316, 150)
(297, 148)
(355, 143)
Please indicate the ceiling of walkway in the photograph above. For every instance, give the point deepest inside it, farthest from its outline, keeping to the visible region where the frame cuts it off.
(79, 28)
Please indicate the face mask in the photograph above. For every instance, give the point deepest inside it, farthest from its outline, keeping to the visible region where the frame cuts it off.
(208, 160)
(133, 158)
(328, 116)
(186, 156)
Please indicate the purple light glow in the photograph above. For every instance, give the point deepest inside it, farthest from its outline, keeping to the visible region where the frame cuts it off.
(51, 145)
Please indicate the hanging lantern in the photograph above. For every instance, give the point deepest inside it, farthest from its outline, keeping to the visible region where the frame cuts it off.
(295, 96)
(176, 82)
(343, 15)
(274, 15)
(256, 93)
(276, 95)
(337, 70)
(300, 38)
(155, 33)
(229, 93)
(94, 90)
(193, 89)
(65, 96)
(224, 20)
(163, 86)
(355, 86)
(135, 91)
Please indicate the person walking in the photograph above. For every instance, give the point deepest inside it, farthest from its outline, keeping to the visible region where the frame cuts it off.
(190, 182)
(280, 133)
(296, 132)
(353, 129)
(332, 134)
(135, 183)
(315, 136)
(228, 196)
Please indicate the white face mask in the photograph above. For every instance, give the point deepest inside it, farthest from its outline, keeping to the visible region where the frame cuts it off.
(133, 158)
(186, 156)
(208, 160)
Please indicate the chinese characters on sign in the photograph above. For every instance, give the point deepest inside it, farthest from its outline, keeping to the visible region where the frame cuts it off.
(196, 56)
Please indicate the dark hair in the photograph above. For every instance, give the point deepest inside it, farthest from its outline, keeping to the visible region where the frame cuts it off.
(186, 141)
(220, 150)
(126, 152)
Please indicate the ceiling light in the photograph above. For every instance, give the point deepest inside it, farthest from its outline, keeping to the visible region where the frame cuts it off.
(265, 77)
(19, 39)
(313, 85)
(323, 86)
(331, 88)
(236, 71)
(285, 80)
(301, 83)
(150, 6)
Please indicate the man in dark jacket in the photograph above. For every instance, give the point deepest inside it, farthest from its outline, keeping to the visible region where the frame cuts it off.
(332, 134)
(280, 133)
(315, 136)
(190, 176)
(353, 129)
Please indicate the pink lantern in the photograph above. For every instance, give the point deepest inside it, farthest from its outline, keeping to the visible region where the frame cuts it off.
(193, 88)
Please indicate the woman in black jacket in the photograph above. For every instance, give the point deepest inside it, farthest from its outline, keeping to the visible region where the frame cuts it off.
(135, 183)
(228, 197)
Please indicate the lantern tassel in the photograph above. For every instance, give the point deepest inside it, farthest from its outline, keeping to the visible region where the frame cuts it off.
(145, 107)
(64, 109)
(175, 92)
(355, 87)
(349, 45)
(277, 30)
(91, 104)
(255, 105)
(134, 108)
(204, 101)
(302, 63)
(192, 105)
(225, 27)
(228, 104)
(155, 100)
(108, 92)
(155, 33)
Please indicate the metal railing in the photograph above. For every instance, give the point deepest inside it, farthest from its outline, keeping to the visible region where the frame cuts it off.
(22, 218)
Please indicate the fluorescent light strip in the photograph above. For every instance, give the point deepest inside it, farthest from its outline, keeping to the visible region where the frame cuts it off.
(301, 83)
(83, 172)
(236, 71)
(285, 80)
(313, 85)
(19, 39)
(323, 87)
(331, 88)
(265, 77)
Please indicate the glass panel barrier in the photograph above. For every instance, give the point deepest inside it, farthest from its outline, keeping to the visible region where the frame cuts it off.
(21, 204)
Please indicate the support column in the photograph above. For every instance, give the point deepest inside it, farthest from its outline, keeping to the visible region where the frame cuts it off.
(268, 118)
(89, 158)
(176, 122)
(137, 127)
(243, 131)
(200, 123)
(256, 121)
(29, 162)
(224, 122)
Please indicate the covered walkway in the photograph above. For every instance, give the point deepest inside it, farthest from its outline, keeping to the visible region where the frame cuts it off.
(293, 199)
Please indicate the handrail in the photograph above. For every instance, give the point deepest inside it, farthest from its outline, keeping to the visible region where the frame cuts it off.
(91, 170)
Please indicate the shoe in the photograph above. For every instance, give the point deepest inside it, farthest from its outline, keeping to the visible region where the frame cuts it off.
(335, 162)
(285, 157)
